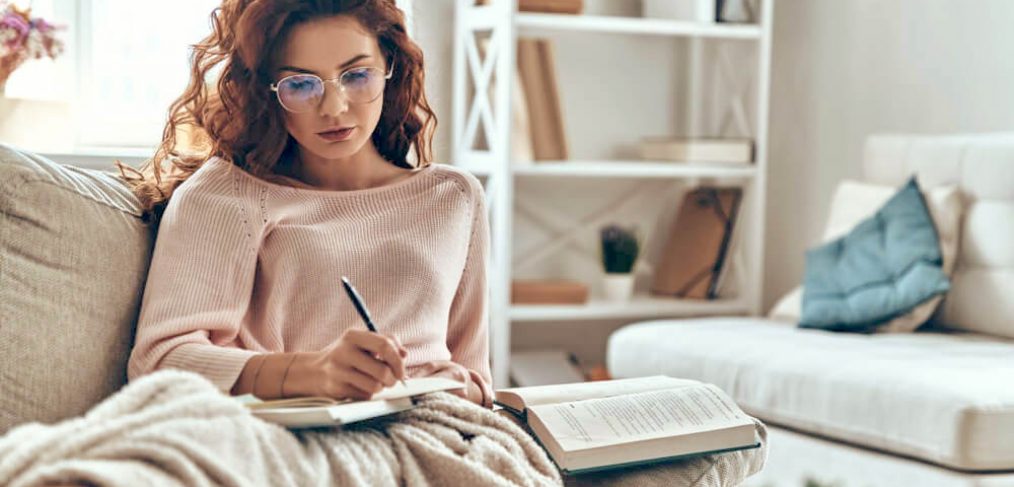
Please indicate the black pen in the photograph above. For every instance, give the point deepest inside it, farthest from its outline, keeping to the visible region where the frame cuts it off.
(357, 301)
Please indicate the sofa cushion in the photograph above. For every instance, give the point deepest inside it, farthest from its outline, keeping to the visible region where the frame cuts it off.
(73, 262)
(942, 397)
(887, 265)
(854, 201)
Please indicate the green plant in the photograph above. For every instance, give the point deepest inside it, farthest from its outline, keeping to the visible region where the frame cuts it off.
(619, 248)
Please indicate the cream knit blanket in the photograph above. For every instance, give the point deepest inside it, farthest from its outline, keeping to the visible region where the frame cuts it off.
(175, 428)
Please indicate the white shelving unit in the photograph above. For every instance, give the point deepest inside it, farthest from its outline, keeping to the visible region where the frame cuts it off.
(481, 144)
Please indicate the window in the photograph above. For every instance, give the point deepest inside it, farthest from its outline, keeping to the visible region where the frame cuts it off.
(126, 61)
(135, 63)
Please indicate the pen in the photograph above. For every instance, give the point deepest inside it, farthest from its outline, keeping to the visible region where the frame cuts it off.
(357, 301)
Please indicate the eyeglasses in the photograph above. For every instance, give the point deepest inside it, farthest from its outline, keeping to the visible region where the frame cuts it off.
(304, 92)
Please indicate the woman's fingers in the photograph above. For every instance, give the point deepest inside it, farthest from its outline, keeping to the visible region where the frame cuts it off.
(384, 348)
(401, 348)
(366, 363)
(447, 368)
(363, 386)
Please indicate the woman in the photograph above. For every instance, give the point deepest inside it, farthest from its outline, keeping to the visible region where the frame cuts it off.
(302, 177)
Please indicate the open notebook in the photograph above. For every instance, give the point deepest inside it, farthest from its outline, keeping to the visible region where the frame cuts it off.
(306, 412)
(609, 424)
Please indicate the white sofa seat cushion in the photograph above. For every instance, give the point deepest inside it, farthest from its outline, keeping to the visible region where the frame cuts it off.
(943, 397)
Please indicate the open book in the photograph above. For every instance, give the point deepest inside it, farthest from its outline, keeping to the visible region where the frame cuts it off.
(305, 412)
(599, 425)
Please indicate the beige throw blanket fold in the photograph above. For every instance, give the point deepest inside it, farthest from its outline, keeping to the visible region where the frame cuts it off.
(174, 428)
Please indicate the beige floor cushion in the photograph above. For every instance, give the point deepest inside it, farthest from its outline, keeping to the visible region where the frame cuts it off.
(945, 398)
(73, 261)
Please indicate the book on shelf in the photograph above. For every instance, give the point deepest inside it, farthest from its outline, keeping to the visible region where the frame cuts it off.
(552, 6)
(521, 137)
(315, 411)
(537, 66)
(694, 253)
(601, 425)
(548, 291)
(704, 150)
(547, 6)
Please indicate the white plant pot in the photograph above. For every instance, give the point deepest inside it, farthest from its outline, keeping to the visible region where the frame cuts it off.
(617, 288)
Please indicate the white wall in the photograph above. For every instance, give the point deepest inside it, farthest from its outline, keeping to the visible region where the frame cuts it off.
(434, 31)
(844, 69)
(841, 70)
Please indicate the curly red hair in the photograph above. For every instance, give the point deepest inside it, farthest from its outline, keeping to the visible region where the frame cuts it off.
(238, 120)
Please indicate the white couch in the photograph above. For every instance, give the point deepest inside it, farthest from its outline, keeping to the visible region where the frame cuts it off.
(935, 407)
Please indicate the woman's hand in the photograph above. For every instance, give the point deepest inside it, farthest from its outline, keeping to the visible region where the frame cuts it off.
(455, 371)
(358, 365)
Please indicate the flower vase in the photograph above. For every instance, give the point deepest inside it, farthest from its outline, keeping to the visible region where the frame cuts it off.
(8, 63)
(618, 288)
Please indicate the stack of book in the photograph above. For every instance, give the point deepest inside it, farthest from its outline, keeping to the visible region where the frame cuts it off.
(700, 149)
(548, 291)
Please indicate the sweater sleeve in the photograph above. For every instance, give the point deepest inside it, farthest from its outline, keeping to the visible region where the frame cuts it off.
(199, 282)
(468, 326)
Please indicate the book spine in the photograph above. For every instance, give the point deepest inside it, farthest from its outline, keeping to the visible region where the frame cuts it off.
(559, 150)
(535, 97)
(552, 6)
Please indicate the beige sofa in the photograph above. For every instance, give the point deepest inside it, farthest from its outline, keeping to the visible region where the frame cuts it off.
(73, 260)
(935, 407)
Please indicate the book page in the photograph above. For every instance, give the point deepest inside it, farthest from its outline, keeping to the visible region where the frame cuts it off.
(647, 415)
(417, 386)
(521, 397)
(412, 387)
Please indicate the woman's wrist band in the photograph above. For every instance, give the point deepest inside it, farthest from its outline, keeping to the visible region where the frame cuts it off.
(257, 373)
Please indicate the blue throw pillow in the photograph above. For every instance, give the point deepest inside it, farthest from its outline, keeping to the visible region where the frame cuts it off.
(887, 265)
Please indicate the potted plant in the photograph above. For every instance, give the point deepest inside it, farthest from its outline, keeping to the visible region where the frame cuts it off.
(620, 248)
(22, 38)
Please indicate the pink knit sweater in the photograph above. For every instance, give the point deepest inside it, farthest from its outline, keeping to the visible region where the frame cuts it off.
(243, 266)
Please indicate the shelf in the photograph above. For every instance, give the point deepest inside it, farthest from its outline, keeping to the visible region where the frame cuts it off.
(706, 54)
(640, 306)
(635, 25)
(635, 169)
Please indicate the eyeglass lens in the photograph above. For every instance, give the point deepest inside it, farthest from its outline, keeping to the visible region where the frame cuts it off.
(303, 92)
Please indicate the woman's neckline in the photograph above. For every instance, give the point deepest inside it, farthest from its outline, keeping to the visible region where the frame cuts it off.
(417, 174)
